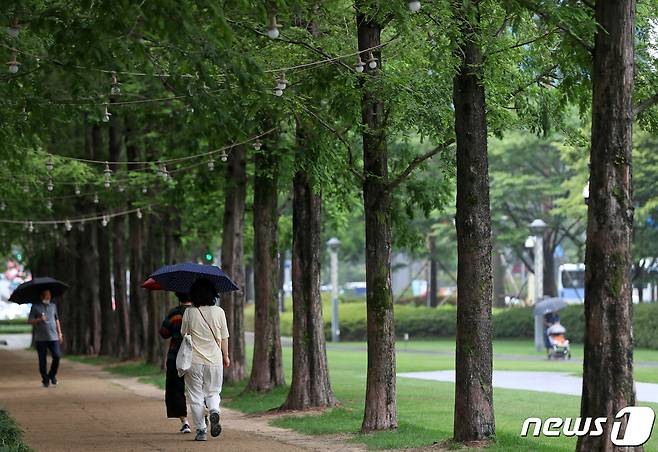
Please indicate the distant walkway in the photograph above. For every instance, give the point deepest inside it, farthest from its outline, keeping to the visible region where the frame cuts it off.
(555, 382)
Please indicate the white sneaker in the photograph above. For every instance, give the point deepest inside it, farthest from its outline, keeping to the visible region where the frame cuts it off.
(185, 429)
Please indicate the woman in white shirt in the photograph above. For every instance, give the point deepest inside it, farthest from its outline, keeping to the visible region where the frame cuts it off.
(206, 323)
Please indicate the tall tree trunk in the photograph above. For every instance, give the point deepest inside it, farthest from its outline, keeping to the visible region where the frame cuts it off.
(434, 283)
(108, 319)
(233, 260)
(380, 405)
(138, 316)
(550, 280)
(267, 367)
(474, 415)
(70, 309)
(119, 252)
(107, 324)
(155, 299)
(310, 373)
(608, 363)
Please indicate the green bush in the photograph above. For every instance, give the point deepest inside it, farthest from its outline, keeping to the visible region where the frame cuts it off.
(510, 323)
(11, 437)
(645, 325)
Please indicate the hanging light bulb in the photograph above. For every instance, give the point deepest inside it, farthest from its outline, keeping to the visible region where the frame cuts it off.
(211, 163)
(77, 190)
(116, 86)
(414, 6)
(163, 171)
(273, 29)
(3, 206)
(26, 188)
(81, 226)
(139, 214)
(278, 92)
(359, 66)
(106, 115)
(13, 64)
(223, 156)
(105, 220)
(67, 225)
(96, 200)
(107, 173)
(281, 82)
(54, 225)
(257, 145)
(14, 29)
(49, 204)
(372, 61)
(30, 227)
(50, 185)
(144, 189)
(50, 164)
(121, 188)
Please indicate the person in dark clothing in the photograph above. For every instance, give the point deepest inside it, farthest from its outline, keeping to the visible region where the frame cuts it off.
(47, 336)
(549, 320)
(175, 385)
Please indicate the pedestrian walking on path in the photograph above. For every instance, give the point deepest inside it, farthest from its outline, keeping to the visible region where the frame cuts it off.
(47, 336)
(206, 324)
(175, 386)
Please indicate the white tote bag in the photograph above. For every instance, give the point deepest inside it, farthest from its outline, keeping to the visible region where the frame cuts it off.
(184, 356)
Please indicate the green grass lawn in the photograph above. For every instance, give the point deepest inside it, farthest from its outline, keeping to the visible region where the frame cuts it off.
(11, 437)
(425, 408)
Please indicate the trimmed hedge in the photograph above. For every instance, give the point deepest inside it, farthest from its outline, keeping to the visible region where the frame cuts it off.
(510, 323)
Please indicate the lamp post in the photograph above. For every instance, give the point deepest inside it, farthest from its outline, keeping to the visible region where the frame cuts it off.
(530, 245)
(537, 227)
(332, 245)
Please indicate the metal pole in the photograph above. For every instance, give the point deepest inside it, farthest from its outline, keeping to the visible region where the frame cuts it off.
(335, 328)
(539, 267)
(539, 285)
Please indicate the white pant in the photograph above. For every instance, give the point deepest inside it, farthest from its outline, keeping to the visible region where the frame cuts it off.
(203, 383)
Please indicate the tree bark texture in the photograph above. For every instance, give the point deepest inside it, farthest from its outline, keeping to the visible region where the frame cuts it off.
(380, 406)
(608, 361)
(104, 275)
(233, 260)
(138, 315)
(267, 367)
(310, 385)
(118, 251)
(474, 416)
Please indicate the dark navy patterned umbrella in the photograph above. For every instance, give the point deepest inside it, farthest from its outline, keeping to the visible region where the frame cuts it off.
(30, 291)
(180, 277)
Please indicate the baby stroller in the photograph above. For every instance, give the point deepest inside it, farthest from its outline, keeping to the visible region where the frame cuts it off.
(559, 344)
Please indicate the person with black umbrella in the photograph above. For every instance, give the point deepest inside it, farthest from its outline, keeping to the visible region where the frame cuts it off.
(47, 336)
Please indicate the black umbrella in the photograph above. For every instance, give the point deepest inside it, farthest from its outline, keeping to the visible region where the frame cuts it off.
(180, 277)
(30, 291)
(549, 305)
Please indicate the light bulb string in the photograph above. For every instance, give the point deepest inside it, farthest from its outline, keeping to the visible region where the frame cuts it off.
(99, 216)
(130, 181)
(172, 160)
(321, 62)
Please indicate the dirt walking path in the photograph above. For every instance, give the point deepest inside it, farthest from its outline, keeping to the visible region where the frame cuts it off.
(93, 411)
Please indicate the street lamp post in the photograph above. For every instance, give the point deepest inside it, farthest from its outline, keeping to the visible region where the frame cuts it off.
(537, 227)
(332, 245)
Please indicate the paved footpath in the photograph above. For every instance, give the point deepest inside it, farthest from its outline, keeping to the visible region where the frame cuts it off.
(555, 382)
(93, 411)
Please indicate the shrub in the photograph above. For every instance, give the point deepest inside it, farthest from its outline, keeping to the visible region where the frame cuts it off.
(645, 325)
(509, 323)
